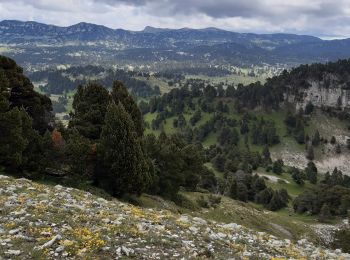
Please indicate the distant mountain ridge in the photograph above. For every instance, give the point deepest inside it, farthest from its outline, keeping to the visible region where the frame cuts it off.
(12, 30)
(208, 45)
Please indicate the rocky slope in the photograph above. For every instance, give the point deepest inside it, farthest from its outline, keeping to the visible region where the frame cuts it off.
(53, 222)
(334, 96)
(326, 156)
(324, 85)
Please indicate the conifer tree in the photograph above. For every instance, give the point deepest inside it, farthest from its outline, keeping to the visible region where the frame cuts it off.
(78, 150)
(325, 213)
(124, 167)
(310, 153)
(121, 94)
(4, 92)
(266, 154)
(90, 106)
(277, 166)
(12, 144)
(21, 94)
(316, 139)
(311, 172)
(264, 196)
(338, 148)
(333, 140)
(275, 202)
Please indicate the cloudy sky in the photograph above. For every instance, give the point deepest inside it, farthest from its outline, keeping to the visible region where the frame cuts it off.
(324, 18)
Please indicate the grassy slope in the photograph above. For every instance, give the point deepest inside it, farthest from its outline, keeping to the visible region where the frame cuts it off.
(292, 188)
(236, 79)
(231, 79)
(277, 117)
(282, 224)
(154, 81)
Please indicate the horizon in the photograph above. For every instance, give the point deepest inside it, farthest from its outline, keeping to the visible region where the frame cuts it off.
(175, 28)
(325, 19)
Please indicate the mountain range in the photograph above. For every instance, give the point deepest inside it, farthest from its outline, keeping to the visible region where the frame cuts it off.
(186, 44)
(12, 31)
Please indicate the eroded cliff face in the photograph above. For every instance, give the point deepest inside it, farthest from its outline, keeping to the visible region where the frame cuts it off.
(330, 92)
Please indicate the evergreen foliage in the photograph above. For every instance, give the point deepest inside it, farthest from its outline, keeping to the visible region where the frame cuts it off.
(90, 106)
(311, 172)
(122, 165)
(121, 94)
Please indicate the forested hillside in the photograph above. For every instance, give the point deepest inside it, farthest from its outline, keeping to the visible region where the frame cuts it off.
(217, 141)
(254, 129)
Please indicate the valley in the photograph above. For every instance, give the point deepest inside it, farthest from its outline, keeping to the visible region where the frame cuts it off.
(172, 144)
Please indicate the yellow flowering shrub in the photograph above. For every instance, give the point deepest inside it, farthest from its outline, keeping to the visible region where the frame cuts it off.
(83, 240)
(137, 212)
(40, 208)
(10, 225)
(21, 199)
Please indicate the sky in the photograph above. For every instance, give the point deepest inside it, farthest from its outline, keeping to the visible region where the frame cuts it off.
(327, 19)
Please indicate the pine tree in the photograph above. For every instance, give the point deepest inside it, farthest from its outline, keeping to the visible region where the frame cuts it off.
(230, 91)
(300, 135)
(275, 202)
(233, 188)
(196, 117)
(316, 139)
(181, 121)
(255, 134)
(121, 94)
(333, 140)
(90, 106)
(210, 92)
(16, 133)
(4, 92)
(244, 127)
(298, 177)
(78, 151)
(258, 185)
(21, 94)
(266, 154)
(277, 166)
(310, 153)
(264, 196)
(230, 166)
(242, 191)
(309, 108)
(219, 162)
(311, 172)
(325, 213)
(124, 168)
(338, 149)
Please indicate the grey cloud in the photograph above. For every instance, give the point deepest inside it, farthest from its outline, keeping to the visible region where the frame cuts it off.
(212, 8)
(237, 8)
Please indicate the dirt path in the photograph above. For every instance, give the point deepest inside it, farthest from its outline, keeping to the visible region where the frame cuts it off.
(272, 178)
